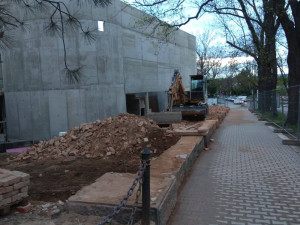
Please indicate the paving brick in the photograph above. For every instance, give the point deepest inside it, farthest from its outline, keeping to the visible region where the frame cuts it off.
(248, 178)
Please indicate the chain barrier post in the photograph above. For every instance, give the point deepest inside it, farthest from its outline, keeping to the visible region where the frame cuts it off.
(146, 157)
(298, 129)
(282, 109)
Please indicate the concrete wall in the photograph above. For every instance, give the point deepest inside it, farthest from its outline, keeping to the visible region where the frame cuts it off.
(40, 101)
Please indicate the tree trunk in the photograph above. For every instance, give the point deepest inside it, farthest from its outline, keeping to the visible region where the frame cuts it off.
(267, 76)
(292, 33)
(294, 81)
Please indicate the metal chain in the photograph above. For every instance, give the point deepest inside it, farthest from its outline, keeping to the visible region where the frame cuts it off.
(138, 193)
(117, 209)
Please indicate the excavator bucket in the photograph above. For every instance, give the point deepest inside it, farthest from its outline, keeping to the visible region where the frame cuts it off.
(192, 113)
(165, 117)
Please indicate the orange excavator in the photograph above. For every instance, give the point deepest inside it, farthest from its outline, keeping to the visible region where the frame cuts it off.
(184, 104)
(191, 103)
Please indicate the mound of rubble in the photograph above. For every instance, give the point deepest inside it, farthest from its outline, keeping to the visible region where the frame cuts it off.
(217, 112)
(125, 135)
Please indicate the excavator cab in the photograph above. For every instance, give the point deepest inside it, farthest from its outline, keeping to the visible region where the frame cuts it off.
(187, 105)
(198, 91)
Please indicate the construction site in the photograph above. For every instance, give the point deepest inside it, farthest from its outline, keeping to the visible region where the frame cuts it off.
(106, 149)
(68, 146)
(135, 140)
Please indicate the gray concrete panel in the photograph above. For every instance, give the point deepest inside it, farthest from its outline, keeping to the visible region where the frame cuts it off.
(40, 115)
(32, 69)
(103, 44)
(89, 70)
(149, 49)
(133, 77)
(99, 13)
(76, 107)
(163, 54)
(57, 111)
(109, 101)
(71, 42)
(93, 100)
(117, 44)
(13, 70)
(110, 70)
(100, 92)
(182, 39)
(25, 115)
(12, 115)
(121, 99)
(33, 42)
(114, 101)
(149, 76)
(104, 67)
(49, 68)
(164, 78)
(132, 45)
(114, 12)
(149, 69)
(48, 41)
(174, 56)
(128, 20)
(118, 70)
(192, 42)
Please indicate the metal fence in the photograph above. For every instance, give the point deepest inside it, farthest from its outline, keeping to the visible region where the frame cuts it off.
(281, 107)
(222, 100)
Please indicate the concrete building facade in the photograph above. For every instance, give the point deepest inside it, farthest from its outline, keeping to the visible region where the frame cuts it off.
(119, 66)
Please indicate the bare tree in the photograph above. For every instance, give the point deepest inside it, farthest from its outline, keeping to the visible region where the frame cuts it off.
(209, 55)
(251, 28)
(59, 18)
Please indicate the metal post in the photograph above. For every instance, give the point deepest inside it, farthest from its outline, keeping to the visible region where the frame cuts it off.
(253, 100)
(282, 109)
(146, 103)
(146, 188)
(166, 101)
(298, 133)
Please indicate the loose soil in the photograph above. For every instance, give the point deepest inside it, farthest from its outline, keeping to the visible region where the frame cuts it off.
(59, 167)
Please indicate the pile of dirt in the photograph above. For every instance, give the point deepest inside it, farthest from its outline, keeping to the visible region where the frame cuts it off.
(217, 112)
(114, 137)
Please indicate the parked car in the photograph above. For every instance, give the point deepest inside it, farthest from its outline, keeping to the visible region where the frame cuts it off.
(244, 98)
(240, 100)
(230, 98)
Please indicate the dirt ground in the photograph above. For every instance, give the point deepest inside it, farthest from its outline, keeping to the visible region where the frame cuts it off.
(57, 178)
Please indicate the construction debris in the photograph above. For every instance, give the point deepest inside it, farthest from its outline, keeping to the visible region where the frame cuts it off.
(217, 112)
(125, 134)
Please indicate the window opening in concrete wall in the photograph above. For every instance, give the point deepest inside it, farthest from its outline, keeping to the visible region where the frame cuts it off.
(101, 26)
(133, 104)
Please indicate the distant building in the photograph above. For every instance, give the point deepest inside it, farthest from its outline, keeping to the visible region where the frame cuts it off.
(119, 67)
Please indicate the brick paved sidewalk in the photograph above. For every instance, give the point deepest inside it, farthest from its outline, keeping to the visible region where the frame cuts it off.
(247, 178)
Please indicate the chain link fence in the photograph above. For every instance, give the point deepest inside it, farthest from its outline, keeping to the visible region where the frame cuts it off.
(281, 107)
